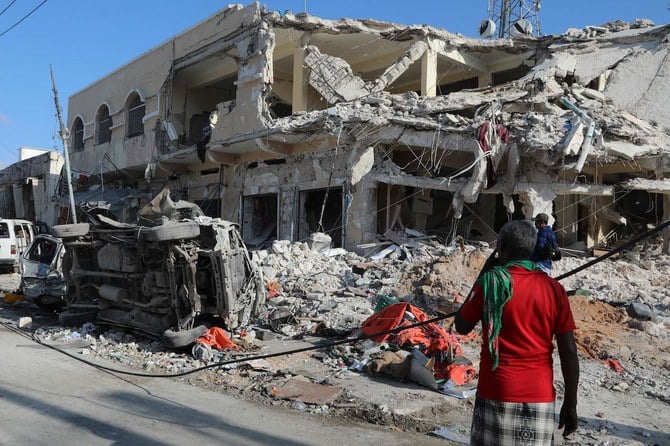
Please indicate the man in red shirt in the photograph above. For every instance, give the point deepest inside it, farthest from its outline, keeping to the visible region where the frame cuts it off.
(522, 309)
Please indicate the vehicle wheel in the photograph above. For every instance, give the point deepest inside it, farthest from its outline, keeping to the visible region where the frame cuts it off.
(171, 231)
(77, 316)
(73, 230)
(182, 338)
(49, 303)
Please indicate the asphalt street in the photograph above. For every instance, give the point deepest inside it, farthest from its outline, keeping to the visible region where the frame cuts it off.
(49, 399)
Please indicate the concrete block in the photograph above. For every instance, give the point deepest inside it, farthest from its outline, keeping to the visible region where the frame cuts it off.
(640, 311)
(265, 335)
(422, 204)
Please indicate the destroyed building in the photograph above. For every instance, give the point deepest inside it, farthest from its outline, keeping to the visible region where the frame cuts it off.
(28, 187)
(292, 124)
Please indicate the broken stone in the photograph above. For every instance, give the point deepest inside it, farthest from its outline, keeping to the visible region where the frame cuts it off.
(307, 392)
(265, 335)
(318, 241)
(25, 322)
(640, 311)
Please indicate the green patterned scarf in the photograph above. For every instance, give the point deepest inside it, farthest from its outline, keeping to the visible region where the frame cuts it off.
(497, 288)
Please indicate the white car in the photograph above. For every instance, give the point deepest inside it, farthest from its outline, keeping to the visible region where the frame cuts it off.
(15, 237)
(42, 279)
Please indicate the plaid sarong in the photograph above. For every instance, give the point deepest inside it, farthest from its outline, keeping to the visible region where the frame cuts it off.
(511, 424)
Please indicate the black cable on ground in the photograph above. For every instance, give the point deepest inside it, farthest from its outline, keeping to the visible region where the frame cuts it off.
(348, 340)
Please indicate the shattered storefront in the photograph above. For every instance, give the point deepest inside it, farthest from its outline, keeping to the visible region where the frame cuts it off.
(290, 124)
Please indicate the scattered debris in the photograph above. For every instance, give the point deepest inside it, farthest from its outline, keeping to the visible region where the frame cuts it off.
(307, 392)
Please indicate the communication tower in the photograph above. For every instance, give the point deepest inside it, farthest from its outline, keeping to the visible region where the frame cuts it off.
(511, 18)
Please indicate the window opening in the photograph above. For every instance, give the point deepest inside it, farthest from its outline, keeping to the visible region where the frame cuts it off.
(259, 219)
(135, 116)
(78, 132)
(310, 211)
(104, 127)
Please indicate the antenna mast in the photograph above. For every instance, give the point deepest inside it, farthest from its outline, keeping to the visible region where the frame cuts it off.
(515, 17)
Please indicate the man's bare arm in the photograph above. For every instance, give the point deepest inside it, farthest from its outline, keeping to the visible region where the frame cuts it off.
(567, 351)
(462, 326)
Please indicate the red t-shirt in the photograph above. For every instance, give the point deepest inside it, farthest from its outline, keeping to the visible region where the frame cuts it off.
(538, 310)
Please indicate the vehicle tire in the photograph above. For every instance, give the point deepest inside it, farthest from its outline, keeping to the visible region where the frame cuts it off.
(75, 317)
(73, 230)
(49, 303)
(171, 231)
(182, 338)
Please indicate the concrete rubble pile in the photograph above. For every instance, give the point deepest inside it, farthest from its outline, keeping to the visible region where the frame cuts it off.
(336, 289)
(620, 344)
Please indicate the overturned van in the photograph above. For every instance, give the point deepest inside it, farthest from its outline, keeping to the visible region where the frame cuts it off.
(160, 279)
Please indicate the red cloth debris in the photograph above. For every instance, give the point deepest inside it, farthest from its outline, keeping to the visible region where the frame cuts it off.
(614, 365)
(459, 373)
(217, 338)
(483, 138)
(432, 337)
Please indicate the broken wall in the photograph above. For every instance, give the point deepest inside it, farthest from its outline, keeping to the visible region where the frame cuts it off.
(30, 186)
(297, 175)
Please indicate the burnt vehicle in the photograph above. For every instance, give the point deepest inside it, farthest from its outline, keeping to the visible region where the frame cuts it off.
(162, 279)
(42, 280)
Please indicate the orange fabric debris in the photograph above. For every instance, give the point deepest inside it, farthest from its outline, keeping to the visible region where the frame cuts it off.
(614, 365)
(274, 288)
(217, 338)
(432, 337)
(459, 373)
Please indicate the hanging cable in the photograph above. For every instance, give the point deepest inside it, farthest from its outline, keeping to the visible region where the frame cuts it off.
(22, 18)
(7, 7)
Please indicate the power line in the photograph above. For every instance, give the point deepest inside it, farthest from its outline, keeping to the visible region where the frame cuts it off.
(7, 7)
(22, 18)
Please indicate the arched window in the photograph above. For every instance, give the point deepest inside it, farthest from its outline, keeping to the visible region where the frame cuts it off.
(134, 115)
(103, 125)
(78, 135)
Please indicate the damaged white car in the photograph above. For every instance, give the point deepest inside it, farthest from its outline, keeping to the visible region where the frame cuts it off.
(42, 280)
(163, 279)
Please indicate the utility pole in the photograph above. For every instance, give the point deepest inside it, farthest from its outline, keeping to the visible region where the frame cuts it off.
(64, 134)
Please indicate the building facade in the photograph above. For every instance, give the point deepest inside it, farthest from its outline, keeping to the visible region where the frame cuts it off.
(291, 124)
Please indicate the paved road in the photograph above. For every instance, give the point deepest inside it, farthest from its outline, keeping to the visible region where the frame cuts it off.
(49, 399)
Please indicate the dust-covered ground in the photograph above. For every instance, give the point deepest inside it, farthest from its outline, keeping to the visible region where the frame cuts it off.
(625, 365)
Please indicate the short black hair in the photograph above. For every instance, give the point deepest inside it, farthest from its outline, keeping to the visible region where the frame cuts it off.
(517, 238)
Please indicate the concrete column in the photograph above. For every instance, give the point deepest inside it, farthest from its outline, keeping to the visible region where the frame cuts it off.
(484, 80)
(361, 214)
(17, 191)
(230, 195)
(300, 81)
(429, 73)
(41, 205)
(287, 213)
(538, 201)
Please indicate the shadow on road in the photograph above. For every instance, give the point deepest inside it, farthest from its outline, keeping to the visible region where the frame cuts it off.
(625, 431)
(205, 424)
